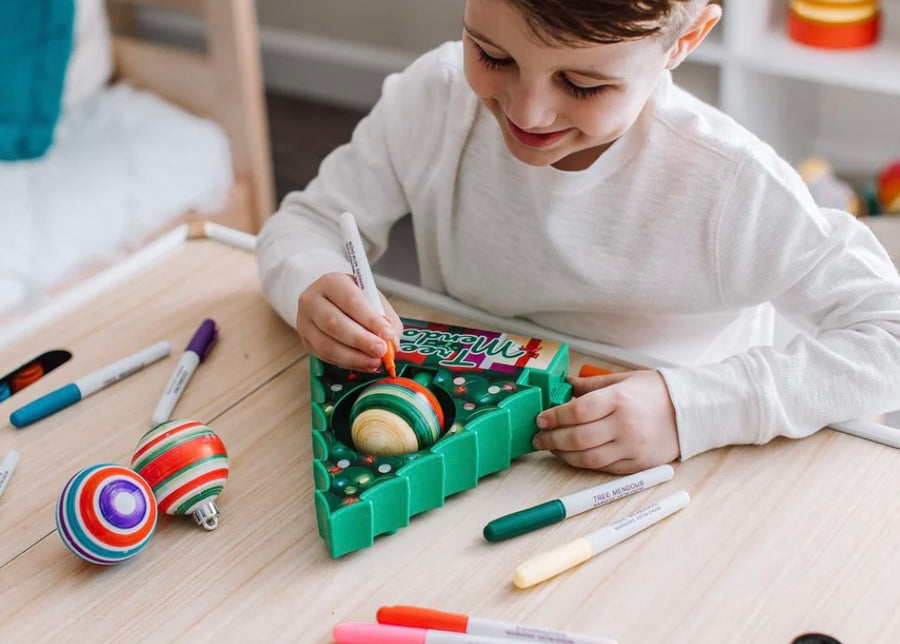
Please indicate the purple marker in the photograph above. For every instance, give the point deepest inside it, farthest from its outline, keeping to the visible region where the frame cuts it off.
(197, 350)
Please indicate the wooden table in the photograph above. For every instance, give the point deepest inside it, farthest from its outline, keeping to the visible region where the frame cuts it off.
(779, 540)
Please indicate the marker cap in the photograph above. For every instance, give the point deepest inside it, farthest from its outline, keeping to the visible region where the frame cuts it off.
(204, 339)
(552, 563)
(46, 405)
(512, 525)
(363, 633)
(388, 359)
(422, 618)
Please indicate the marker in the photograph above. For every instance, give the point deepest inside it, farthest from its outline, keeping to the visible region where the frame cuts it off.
(89, 384)
(559, 560)
(588, 370)
(27, 375)
(363, 633)
(200, 229)
(7, 466)
(455, 622)
(356, 253)
(512, 525)
(198, 348)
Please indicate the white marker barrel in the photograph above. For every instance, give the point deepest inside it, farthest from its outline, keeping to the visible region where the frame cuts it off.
(559, 560)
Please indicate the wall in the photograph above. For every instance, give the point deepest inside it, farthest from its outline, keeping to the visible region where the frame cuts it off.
(335, 51)
(400, 25)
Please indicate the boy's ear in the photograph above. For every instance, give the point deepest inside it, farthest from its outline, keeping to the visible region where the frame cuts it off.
(690, 39)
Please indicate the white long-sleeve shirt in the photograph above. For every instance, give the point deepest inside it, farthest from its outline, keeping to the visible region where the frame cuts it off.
(680, 242)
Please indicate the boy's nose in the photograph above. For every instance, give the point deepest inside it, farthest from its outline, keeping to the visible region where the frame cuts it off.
(530, 110)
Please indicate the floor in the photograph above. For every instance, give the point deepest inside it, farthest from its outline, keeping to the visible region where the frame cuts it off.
(302, 134)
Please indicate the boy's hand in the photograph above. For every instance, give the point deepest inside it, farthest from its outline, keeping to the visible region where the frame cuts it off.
(337, 324)
(620, 423)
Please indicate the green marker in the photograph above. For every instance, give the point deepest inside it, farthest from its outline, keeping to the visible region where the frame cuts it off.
(512, 525)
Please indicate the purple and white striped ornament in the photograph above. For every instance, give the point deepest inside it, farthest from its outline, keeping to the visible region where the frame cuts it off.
(106, 514)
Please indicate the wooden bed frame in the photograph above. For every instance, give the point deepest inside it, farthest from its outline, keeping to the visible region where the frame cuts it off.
(223, 83)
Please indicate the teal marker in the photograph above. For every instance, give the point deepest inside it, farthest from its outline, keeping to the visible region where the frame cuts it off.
(512, 525)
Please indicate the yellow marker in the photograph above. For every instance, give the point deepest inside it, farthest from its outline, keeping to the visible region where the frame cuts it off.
(550, 564)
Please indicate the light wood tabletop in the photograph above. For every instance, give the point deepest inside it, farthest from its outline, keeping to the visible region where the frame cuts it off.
(779, 540)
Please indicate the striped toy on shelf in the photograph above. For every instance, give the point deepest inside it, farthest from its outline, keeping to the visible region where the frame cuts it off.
(834, 24)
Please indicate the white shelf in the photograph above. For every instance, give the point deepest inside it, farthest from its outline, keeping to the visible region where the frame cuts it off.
(844, 105)
(875, 69)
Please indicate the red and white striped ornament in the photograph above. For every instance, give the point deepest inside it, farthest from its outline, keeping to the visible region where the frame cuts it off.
(186, 464)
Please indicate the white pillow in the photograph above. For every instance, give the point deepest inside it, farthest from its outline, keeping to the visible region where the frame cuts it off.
(90, 64)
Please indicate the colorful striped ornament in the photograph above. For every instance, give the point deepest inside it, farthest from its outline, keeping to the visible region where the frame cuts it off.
(395, 416)
(186, 464)
(106, 514)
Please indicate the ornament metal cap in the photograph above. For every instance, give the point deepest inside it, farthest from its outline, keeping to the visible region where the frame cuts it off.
(207, 515)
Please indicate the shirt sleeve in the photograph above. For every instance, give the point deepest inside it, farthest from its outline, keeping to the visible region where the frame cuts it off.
(369, 176)
(824, 271)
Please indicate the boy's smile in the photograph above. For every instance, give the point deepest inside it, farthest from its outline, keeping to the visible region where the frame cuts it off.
(557, 105)
(535, 139)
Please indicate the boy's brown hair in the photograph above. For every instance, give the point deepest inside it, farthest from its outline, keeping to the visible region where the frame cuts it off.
(570, 22)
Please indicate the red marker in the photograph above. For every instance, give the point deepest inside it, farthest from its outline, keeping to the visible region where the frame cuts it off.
(412, 616)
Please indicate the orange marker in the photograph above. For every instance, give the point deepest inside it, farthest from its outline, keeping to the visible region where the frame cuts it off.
(27, 375)
(362, 272)
(388, 359)
(591, 370)
(412, 616)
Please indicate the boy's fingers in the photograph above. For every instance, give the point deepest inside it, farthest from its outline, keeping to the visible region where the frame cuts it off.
(350, 299)
(574, 439)
(330, 350)
(598, 458)
(394, 319)
(583, 409)
(583, 384)
(338, 327)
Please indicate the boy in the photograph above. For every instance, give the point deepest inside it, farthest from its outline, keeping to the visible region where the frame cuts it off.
(554, 172)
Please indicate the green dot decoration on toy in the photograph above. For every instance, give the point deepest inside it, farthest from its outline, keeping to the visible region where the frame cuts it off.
(463, 406)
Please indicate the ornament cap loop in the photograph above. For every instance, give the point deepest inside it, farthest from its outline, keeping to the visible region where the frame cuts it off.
(207, 515)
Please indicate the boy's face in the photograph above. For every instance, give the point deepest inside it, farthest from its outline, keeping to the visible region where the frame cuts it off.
(559, 105)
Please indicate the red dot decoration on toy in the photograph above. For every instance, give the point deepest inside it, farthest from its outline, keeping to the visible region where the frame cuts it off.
(834, 24)
(106, 514)
(186, 464)
(394, 416)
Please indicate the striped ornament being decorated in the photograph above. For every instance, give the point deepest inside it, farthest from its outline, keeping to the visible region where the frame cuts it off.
(106, 514)
(395, 416)
(186, 464)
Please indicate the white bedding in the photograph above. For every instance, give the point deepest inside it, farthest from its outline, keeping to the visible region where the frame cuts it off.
(123, 164)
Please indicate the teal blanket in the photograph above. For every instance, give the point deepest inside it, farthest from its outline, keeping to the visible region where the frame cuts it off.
(35, 44)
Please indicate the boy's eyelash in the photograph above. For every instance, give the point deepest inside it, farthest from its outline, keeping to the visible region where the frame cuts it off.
(495, 64)
(492, 63)
(581, 92)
